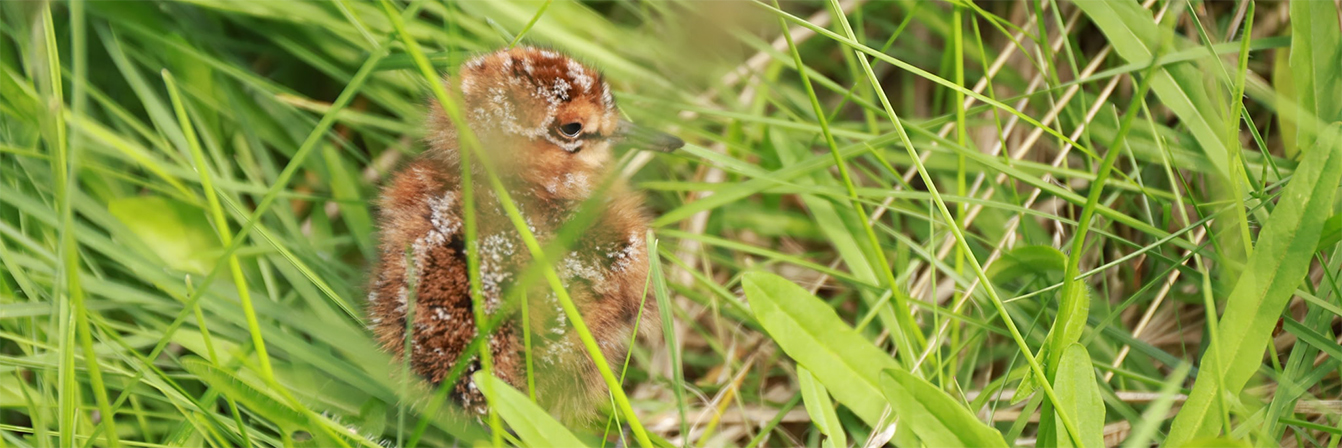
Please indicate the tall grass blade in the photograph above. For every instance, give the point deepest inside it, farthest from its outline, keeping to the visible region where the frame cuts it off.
(663, 296)
(533, 425)
(1139, 39)
(1154, 416)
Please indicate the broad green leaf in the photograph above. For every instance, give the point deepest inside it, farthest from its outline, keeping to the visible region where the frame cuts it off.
(255, 397)
(1080, 395)
(1181, 87)
(1316, 68)
(176, 232)
(1213, 442)
(1332, 232)
(811, 333)
(1280, 260)
(533, 425)
(1071, 321)
(816, 399)
(1040, 260)
(936, 418)
(1285, 88)
(372, 416)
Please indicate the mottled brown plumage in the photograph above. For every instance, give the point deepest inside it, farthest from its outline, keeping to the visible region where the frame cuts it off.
(547, 123)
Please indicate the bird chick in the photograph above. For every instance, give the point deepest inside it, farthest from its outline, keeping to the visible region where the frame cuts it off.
(547, 124)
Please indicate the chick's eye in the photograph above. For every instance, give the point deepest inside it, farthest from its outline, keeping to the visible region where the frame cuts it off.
(570, 130)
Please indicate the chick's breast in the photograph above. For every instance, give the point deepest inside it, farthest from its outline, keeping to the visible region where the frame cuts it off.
(422, 260)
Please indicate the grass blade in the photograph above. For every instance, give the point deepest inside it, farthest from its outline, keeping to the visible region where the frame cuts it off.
(533, 425)
(663, 296)
(1154, 416)
(1139, 39)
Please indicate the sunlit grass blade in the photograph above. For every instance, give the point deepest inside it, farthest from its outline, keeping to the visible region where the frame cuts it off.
(663, 297)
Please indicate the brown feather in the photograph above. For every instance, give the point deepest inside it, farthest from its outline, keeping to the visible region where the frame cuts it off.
(514, 101)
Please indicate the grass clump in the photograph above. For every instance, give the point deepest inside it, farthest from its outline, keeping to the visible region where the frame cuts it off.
(950, 223)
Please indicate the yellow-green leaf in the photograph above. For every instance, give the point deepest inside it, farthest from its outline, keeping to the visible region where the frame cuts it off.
(533, 425)
(811, 333)
(1080, 396)
(176, 232)
(1036, 259)
(936, 418)
(816, 399)
(1280, 260)
(1213, 442)
(1316, 68)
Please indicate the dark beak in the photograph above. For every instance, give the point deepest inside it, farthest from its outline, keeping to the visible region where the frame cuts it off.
(643, 138)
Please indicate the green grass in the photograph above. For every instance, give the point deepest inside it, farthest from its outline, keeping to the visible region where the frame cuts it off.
(904, 222)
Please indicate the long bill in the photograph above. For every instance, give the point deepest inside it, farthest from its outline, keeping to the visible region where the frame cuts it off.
(644, 138)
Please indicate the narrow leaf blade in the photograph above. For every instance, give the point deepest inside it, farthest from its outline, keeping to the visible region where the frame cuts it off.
(533, 425)
(816, 399)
